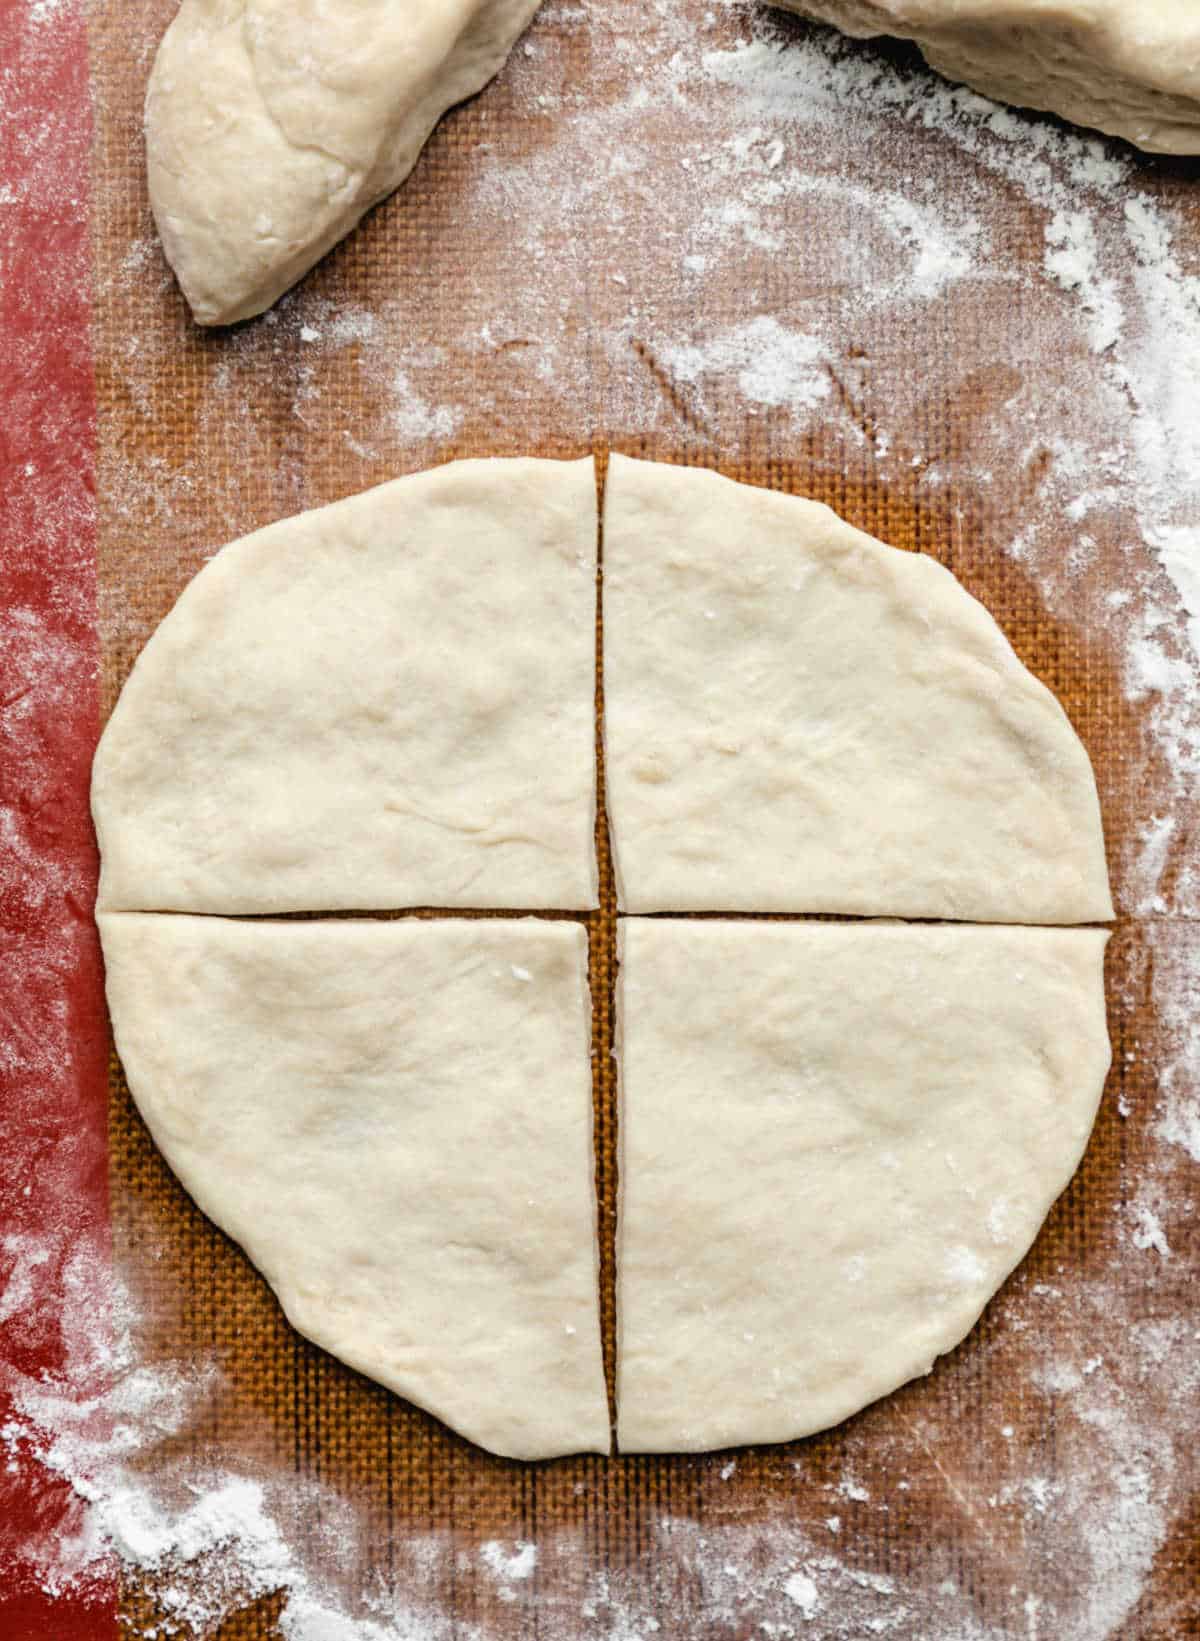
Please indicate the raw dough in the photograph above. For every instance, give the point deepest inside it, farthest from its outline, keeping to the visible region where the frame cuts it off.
(394, 1120)
(799, 718)
(387, 702)
(273, 125)
(836, 1143)
(1128, 67)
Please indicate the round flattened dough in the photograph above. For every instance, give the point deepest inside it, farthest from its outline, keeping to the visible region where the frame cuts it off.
(366, 1107)
(801, 719)
(836, 1143)
(273, 125)
(394, 1120)
(1128, 67)
(387, 702)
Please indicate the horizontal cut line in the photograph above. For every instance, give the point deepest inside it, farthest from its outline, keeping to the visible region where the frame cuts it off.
(373, 914)
(852, 918)
(376, 914)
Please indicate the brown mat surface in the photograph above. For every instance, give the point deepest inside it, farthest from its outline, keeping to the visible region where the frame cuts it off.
(207, 435)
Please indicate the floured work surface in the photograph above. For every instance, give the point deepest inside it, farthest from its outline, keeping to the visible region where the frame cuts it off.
(734, 241)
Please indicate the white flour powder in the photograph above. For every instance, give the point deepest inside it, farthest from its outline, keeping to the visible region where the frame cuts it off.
(771, 365)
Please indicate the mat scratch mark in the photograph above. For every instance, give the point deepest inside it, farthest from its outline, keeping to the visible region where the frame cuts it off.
(951, 1486)
(690, 415)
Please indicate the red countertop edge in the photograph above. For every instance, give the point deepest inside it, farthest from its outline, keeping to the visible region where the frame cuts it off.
(53, 1030)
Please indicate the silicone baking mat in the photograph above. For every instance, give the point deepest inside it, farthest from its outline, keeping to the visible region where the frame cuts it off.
(715, 236)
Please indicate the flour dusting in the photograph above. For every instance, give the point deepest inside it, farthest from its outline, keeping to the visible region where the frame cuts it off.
(772, 366)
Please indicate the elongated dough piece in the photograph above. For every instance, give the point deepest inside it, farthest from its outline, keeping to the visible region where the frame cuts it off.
(394, 1121)
(273, 125)
(383, 703)
(836, 1143)
(798, 718)
(1128, 67)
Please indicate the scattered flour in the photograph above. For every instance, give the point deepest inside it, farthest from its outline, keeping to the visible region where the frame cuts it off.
(208, 1539)
(1148, 1233)
(771, 365)
(28, 1265)
(849, 1488)
(414, 420)
(801, 1591)
(1178, 550)
(510, 1566)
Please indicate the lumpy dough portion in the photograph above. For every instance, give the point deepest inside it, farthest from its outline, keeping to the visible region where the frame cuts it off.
(273, 125)
(383, 703)
(836, 1143)
(1128, 67)
(394, 1121)
(799, 718)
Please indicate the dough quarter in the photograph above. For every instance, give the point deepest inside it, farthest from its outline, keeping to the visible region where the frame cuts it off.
(799, 718)
(837, 1140)
(382, 703)
(394, 1121)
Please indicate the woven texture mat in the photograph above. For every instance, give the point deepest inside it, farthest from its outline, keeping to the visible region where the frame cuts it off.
(627, 242)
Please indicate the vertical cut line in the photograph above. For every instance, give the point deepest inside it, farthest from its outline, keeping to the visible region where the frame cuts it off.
(602, 965)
